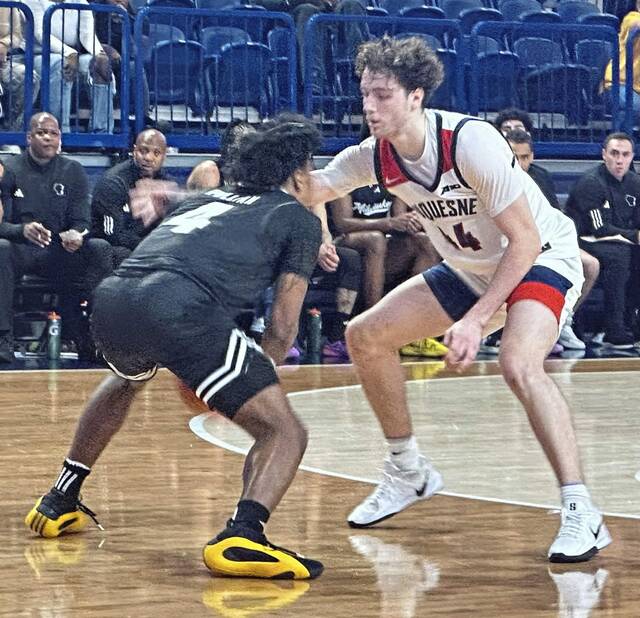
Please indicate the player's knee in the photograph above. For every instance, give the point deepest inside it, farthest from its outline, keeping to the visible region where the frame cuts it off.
(376, 243)
(519, 371)
(360, 336)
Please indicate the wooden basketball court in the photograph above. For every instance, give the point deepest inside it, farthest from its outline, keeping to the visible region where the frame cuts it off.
(171, 478)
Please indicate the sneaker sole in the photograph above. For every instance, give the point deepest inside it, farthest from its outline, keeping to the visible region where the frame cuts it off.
(604, 539)
(429, 492)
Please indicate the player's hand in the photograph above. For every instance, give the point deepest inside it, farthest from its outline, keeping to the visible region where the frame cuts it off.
(150, 199)
(463, 340)
(407, 222)
(71, 240)
(37, 233)
(70, 67)
(328, 258)
(101, 69)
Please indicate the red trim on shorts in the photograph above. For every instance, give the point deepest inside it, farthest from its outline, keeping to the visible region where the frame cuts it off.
(542, 292)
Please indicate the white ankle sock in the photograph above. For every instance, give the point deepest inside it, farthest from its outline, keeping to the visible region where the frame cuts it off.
(575, 493)
(404, 452)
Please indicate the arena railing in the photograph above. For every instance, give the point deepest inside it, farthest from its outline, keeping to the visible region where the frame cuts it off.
(202, 89)
(16, 58)
(552, 81)
(99, 94)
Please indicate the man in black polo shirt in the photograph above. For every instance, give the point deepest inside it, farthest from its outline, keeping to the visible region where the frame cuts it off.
(45, 198)
(111, 216)
(605, 204)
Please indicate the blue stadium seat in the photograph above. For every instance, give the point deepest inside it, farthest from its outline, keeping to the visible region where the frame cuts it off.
(594, 54)
(214, 38)
(559, 88)
(186, 23)
(431, 40)
(243, 77)
(453, 8)
(175, 72)
(512, 9)
(600, 19)
(535, 52)
(571, 10)
(495, 75)
(445, 96)
(393, 7)
(470, 17)
(423, 12)
(541, 17)
(378, 30)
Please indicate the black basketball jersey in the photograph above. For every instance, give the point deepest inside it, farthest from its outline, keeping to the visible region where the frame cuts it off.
(234, 245)
(371, 202)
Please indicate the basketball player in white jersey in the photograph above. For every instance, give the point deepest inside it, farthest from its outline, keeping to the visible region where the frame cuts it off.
(501, 242)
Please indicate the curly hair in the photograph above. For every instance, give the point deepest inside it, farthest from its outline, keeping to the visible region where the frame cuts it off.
(514, 114)
(410, 60)
(267, 158)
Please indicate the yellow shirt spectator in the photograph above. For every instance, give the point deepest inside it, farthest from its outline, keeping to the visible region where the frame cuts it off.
(630, 22)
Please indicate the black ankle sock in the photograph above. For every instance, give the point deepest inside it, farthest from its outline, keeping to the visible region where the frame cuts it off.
(71, 478)
(251, 514)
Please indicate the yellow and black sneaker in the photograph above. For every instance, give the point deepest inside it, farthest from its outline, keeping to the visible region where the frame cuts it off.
(55, 514)
(240, 551)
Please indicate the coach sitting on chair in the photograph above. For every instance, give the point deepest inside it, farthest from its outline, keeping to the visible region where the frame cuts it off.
(45, 198)
(110, 212)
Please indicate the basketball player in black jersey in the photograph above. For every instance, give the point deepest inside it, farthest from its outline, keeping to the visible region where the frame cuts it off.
(178, 301)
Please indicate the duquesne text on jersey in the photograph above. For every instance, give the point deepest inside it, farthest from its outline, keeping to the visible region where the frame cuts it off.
(439, 209)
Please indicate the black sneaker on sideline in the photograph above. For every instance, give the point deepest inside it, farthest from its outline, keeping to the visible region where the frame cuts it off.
(6, 348)
(619, 339)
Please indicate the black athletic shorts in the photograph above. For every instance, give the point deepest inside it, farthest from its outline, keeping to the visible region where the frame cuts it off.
(163, 318)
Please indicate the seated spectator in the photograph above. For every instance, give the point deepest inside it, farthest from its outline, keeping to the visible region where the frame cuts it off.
(630, 22)
(109, 30)
(605, 204)
(75, 48)
(209, 174)
(110, 212)
(522, 146)
(513, 118)
(12, 70)
(45, 197)
(338, 268)
(390, 241)
(205, 175)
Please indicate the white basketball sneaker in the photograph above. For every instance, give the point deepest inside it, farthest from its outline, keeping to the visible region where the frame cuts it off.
(398, 490)
(582, 533)
(568, 339)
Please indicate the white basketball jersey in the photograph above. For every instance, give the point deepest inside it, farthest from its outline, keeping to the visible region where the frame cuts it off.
(454, 216)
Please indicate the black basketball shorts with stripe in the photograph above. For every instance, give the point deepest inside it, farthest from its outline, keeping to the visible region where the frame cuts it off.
(164, 319)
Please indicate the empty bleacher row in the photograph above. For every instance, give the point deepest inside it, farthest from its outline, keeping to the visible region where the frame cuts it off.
(205, 64)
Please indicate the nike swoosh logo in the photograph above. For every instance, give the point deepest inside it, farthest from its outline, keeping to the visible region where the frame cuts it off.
(420, 492)
(597, 531)
(390, 181)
